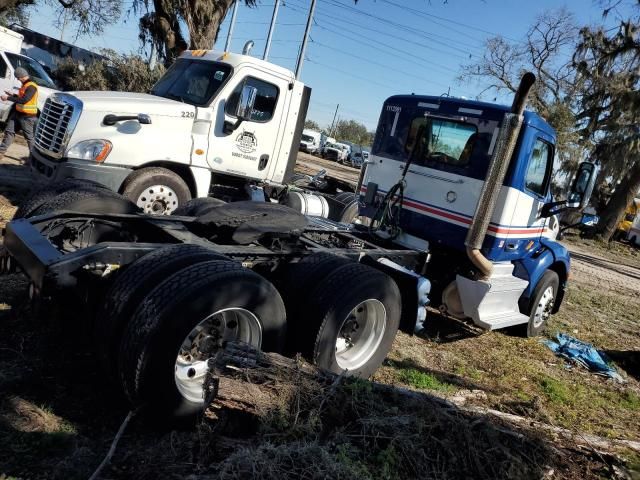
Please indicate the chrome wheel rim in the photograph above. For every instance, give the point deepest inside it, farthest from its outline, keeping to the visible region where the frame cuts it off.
(360, 334)
(205, 340)
(544, 307)
(158, 200)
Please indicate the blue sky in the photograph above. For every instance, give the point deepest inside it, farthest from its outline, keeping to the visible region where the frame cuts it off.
(360, 54)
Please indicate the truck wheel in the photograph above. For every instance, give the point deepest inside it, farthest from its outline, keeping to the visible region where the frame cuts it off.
(353, 316)
(198, 206)
(156, 190)
(87, 200)
(540, 305)
(130, 287)
(184, 321)
(345, 197)
(40, 196)
(349, 212)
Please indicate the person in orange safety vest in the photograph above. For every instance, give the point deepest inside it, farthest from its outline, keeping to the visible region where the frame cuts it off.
(24, 112)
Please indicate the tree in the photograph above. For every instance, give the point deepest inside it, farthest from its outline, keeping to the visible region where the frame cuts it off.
(91, 16)
(161, 25)
(127, 73)
(16, 14)
(311, 125)
(353, 132)
(608, 65)
(544, 52)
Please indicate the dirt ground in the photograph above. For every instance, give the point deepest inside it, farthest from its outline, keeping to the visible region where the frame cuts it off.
(58, 414)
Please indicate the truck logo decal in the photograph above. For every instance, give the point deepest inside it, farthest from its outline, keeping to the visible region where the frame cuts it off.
(246, 142)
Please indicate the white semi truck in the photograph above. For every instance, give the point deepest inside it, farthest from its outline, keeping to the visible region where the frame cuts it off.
(215, 124)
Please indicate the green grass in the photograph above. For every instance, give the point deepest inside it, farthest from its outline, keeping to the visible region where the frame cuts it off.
(425, 381)
(556, 391)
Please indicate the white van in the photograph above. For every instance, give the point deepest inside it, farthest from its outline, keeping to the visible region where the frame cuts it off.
(311, 141)
(10, 59)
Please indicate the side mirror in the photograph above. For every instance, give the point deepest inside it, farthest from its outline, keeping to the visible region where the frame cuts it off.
(582, 185)
(246, 102)
(580, 192)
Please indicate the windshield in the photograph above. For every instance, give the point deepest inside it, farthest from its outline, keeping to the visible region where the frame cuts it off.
(443, 140)
(36, 72)
(193, 82)
(307, 138)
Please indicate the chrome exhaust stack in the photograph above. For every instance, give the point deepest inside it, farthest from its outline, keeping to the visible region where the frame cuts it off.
(500, 159)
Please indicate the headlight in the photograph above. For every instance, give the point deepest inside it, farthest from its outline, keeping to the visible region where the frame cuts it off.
(96, 150)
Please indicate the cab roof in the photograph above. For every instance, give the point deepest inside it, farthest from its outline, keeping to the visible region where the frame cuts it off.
(473, 108)
(235, 60)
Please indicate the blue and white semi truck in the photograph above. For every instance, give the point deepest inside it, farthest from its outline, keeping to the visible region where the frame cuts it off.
(453, 209)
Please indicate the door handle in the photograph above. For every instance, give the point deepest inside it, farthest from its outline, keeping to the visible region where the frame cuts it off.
(262, 163)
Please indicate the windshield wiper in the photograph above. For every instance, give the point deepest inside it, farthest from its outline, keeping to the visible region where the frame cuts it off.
(173, 96)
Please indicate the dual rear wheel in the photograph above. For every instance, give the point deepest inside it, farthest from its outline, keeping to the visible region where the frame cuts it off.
(159, 339)
(166, 314)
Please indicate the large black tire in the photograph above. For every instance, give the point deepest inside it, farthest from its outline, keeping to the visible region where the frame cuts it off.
(349, 212)
(43, 194)
(129, 289)
(350, 302)
(301, 278)
(345, 197)
(87, 200)
(153, 338)
(198, 206)
(537, 323)
(172, 191)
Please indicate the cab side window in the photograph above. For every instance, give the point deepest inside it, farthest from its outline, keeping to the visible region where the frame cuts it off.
(3, 68)
(539, 169)
(265, 104)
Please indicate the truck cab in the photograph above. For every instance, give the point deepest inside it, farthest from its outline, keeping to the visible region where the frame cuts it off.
(183, 138)
(426, 179)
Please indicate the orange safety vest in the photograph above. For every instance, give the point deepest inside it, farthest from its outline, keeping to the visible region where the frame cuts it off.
(31, 107)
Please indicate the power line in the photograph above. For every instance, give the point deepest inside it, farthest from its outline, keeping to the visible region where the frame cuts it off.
(420, 33)
(405, 28)
(390, 51)
(430, 15)
(446, 42)
(382, 47)
(364, 59)
(344, 72)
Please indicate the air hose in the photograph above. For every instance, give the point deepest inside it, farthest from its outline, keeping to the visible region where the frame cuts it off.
(387, 216)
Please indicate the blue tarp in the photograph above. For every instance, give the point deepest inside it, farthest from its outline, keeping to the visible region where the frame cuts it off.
(584, 354)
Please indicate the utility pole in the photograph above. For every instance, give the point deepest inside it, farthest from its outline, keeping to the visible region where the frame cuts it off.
(267, 46)
(334, 119)
(304, 39)
(231, 25)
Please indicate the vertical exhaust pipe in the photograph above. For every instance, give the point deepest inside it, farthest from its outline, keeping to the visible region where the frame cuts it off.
(495, 176)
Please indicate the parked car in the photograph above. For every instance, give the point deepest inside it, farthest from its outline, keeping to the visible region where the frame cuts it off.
(355, 158)
(337, 152)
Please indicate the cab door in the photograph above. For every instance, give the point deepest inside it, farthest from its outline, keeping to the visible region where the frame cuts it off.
(527, 224)
(6, 83)
(248, 150)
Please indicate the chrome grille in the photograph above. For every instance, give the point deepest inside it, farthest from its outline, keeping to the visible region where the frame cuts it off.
(56, 123)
